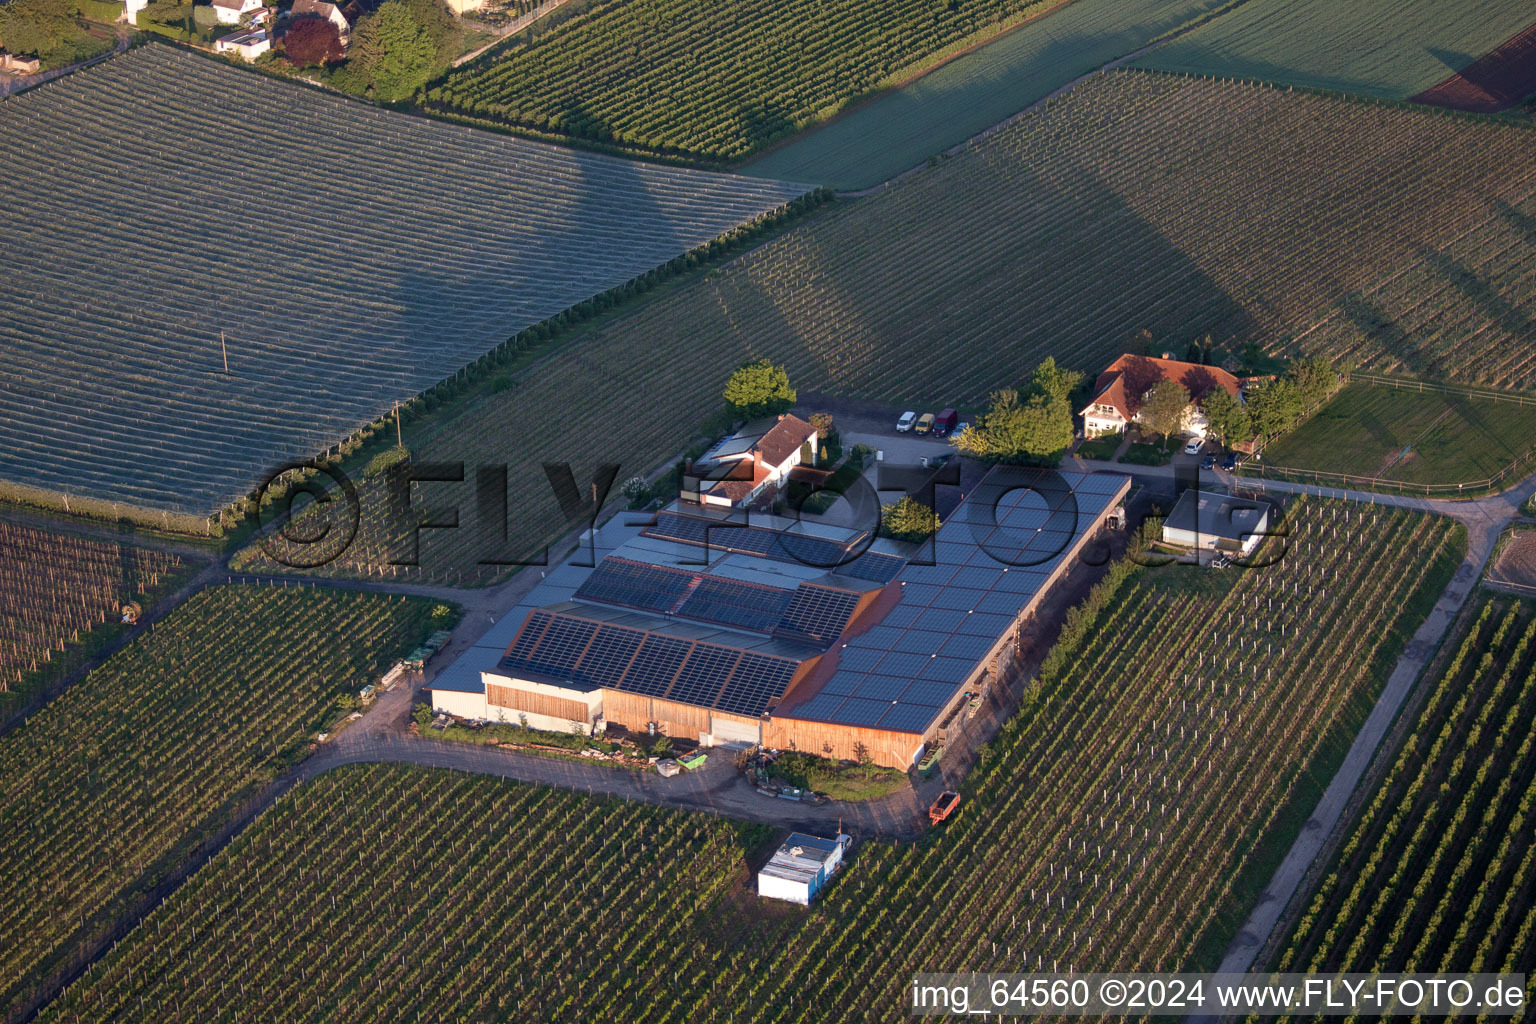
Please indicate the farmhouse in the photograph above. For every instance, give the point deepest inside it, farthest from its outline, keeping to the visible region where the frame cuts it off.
(1124, 385)
(745, 629)
(321, 9)
(754, 460)
(800, 868)
(1220, 523)
(230, 12)
(250, 44)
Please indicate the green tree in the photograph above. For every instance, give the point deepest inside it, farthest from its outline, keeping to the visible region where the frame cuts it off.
(37, 27)
(1227, 417)
(1035, 432)
(422, 715)
(759, 389)
(1050, 381)
(1274, 406)
(1163, 411)
(908, 519)
(398, 48)
(1314, 379)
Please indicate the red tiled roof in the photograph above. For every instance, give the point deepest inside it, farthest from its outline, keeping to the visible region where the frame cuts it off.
(1127, 380)
(786, 436)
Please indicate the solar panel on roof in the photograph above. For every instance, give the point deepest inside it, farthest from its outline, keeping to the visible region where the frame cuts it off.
(899, 664)
(609, 655)
(621, 581)
(916, 641)
(858, 711)
(732, 603)
(947, 670)
(757, 681)
(982, 624)
(907, 717)
(703, 674)
(819, 612)
(562, 646)
(655, 665)
(929, 692)
(875, 566)
(528, 638)
(882, 688)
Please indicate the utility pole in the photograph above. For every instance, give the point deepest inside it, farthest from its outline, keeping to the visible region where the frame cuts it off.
(399, 438)
(224, 348)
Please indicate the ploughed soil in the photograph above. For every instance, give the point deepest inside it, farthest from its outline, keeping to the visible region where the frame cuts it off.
(1496, 81)
(1516, 564)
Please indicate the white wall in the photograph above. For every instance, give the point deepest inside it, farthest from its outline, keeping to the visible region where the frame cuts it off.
(776, 888)
(459, 704)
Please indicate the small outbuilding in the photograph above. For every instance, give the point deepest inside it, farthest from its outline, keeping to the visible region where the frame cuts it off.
(1221, 523)
(800, 868)
(249, 44)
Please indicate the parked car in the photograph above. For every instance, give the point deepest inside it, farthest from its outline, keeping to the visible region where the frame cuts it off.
(962, 426)
(1194, 446)
(905, 423)
(1230, 462)
(944, 423)
(1209, 462)
(924, 424)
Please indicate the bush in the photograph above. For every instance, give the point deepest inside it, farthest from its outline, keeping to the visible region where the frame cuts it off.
(1103, 447)
(1147, 455)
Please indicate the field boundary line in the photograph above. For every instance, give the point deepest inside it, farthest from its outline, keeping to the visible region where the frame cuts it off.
(985, 133)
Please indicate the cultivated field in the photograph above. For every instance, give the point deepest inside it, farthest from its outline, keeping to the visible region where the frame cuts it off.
(102, 788)
(1124, 819)
(900, 129)
(1417, 437)
(1514, 561)
(1388, 48)
(715, 80)
(56, 589)
(1439, 875)
(1073, 233)
(402, 894)
(342, 255)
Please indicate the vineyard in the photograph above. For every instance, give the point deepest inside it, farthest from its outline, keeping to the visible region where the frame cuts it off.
(1418, 437)
(60, 594)
(898, 130)
(713, 80)
(102, 787)
(1388, 48)
(1071, 233)
(528, 893)
(272, 336)
(1439, 874)
(1124, 819)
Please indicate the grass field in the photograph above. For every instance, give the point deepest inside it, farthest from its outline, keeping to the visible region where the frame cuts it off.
(1076, 233)
(61, 598)
(102, 788)
(1388, 48)
(1417, 437)
(714, 80)
(898, 130)
(1439, 874)
(1125, 818)
(330, 304)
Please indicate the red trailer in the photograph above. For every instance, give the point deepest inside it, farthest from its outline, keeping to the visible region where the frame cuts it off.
(947, 804)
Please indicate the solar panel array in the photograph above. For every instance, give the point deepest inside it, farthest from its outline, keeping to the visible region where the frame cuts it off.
(819, 613)
(633, 584)
(992, 558)
(638, 661)
(732, 603)
(796, 548)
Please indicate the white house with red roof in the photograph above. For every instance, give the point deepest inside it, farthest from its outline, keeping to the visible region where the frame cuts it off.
(1125, 384)
(758, 456)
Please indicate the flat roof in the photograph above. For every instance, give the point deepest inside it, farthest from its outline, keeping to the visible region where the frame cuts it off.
(990, 560)
(800, 858)
(1216, 515)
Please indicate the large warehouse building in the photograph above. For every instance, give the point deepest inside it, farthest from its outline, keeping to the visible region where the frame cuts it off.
(732, 630)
